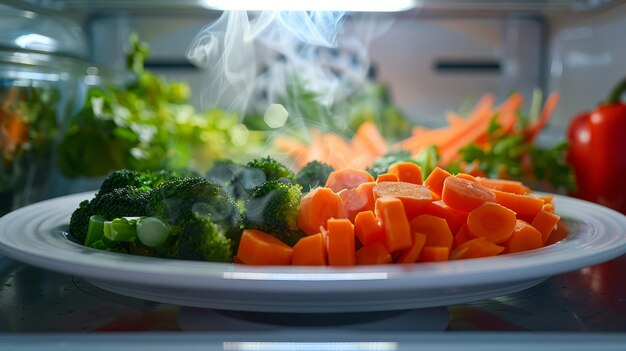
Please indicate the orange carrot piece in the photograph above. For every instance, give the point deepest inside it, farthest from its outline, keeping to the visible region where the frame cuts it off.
(467, 177)
(259, 248)
(465, 195)
(435, 228)
(367, 228)
(338, 152)
(455, 218)
(560, 232)
(435, 180)
(390, 212)
(16, 129)
(415, 198)
(476, 248)
(408, 172)
(387, 177)
(435, 254)
(374, 253)
(507, 116)
(368, 135)
(491, 221)
(353, 202)
(461, 236)
(548, 207)
(525, 237)
(316, 207)
(340, 241)
(547, 199)
(524, 206)
(310, 251)
(544, 117)
(545, 222)
(412, 254)
(509, 186)
(347, 178)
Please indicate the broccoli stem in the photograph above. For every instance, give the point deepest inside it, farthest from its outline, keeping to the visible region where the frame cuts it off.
(152, 231)
(121, 229)
(95, 230)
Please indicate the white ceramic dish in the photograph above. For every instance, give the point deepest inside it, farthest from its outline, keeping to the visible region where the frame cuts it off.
(35, 235)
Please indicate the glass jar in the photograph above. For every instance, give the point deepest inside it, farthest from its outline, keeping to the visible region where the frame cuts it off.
(41, 64)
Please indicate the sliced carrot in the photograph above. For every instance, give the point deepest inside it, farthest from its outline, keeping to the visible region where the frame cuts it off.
(560, 232)
(353, 202)
(338, 151)
(368, 135)
(435, 228)
(455, 218)
(259, 248)
(544, 117)
(525, 237)
(316, 207)
(461, 236)
(545, 222)
(366, 191)
(467, 177)
(347, 178)
(548, 207)
(309, 251)
(525, 206)
(415, 198)
(435, 180)
(509, 186)
(367, 228)
(491, 221)
(387, 177)
(546, 198)
(508, 112)
(476, 248)
(435, 254)
(465, 195)
(390, 212)
(412, 254)
(340, 241)
(407, 172)
(374, 253)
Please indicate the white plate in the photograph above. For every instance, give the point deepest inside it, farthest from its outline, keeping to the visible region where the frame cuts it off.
(34, 235)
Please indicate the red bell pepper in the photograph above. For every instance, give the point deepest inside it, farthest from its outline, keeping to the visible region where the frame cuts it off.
(597, 152)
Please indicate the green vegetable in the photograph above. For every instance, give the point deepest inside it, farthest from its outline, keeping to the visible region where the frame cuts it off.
(79, 221)
(152, 231)
(273, 208)
(121, 202)
(121, 229)
(95, 231)
(202, 239)
(313, 174)
(427, 160)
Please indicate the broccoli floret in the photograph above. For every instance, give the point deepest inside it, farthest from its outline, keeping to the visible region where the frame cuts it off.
(79, 221)
(121, 202)
(179, 200)
(313, 174)
(202, 240)
(273, 208)
(257, 172)
(381, 165)
(142, 181)
(272, 169)
(225, 173)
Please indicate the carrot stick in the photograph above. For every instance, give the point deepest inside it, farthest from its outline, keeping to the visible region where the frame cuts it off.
(524, 206)
(525, 237)
(435, 228)
(435, 180)
(309, 251)
(374, 253)
(258, 248)
(544, 117)
(435, 254)
(367, 228)
(415, 198)
(465, 195)
(545, 222)
(340, 241)
(387, 177)
(412, 254)
(347, 178)
(476, 248)
(368, 135)
(509, 186)
(508, 112)
(390, 212)
(408, 172)
(491, 221)
(317, 207)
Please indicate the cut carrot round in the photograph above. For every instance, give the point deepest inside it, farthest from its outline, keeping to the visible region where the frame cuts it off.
(310, 251)
(415, 198)
(259, 248)
(374, 253)
(509, 186)
(467, 176)
(476, 248)
(465, 195)
(367, 228)
(316, 207)
(435, 228)
(461, 236)
(347, 178)
(340, 241)
(525, 206)
(525, 237)
(435, 180)
(560, 232)
(435, 254)
(491, 221)
(353, 202)
(390, 212)
(366, 190)
(545, 222)
(387, 177)
(412, 254)
(455, 218)
(407, 172)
